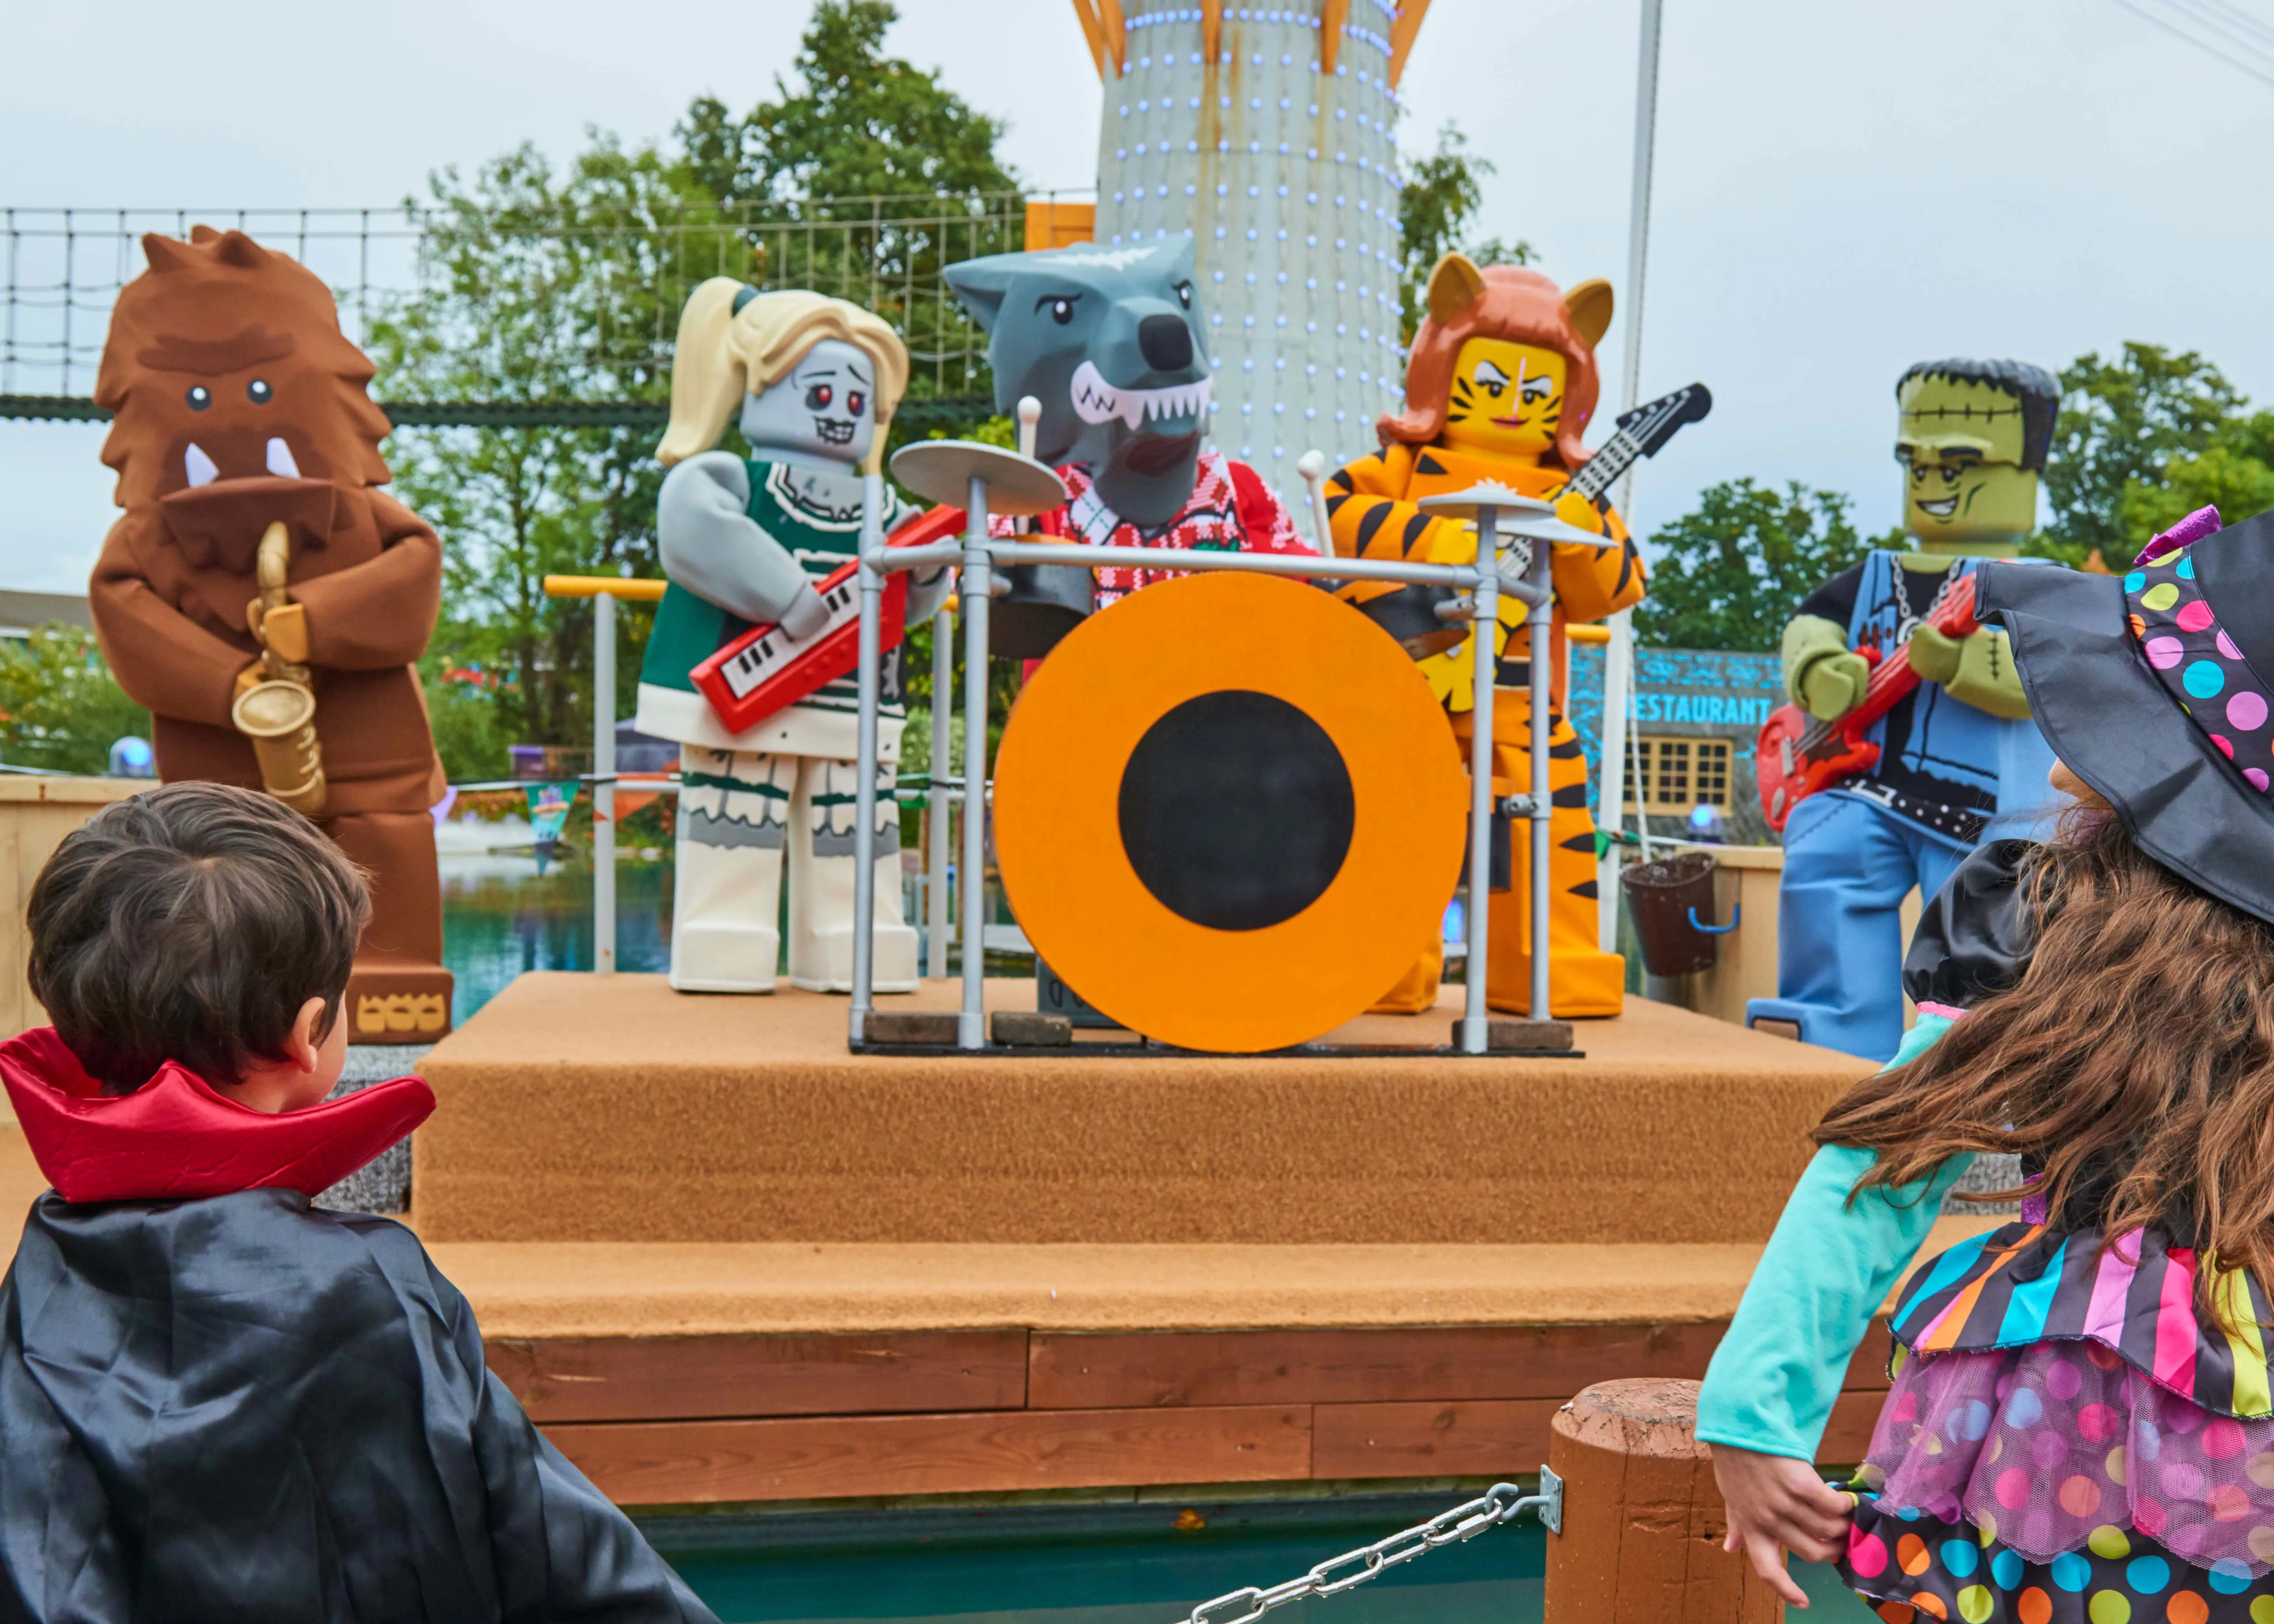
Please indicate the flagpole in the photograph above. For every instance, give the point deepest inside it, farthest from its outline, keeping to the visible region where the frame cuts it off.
(1618, 656)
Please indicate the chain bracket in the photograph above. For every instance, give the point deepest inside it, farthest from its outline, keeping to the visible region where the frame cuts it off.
(1549, 1503)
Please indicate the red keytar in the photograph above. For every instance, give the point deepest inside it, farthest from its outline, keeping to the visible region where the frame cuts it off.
(1797, 756)
(766, 670)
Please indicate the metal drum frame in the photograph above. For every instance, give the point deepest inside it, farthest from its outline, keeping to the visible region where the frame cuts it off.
(951, 470)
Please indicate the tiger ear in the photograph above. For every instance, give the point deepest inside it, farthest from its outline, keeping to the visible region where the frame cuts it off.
(1454, 285)
(1589, 303)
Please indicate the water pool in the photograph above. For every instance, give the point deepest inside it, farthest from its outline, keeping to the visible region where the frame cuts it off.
(501, 917)
(1119, 1564)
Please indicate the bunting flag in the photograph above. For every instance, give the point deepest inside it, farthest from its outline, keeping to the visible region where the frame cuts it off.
(548, 815)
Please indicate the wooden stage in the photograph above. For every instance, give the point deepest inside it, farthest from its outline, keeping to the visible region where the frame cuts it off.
(722, 1260)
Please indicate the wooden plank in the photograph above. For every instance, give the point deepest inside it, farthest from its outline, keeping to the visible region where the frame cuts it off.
(679, 1378)
(1402, 35)
(1869, 1367)
(1332, 16)
(1116, 30)
(646, 1463)
(1478, 1437)
(1085, 13)
(1848, 1437)
(1355, 1366)
(1471, 1438)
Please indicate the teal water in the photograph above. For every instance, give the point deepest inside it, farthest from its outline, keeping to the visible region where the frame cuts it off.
(1125, 1564)
(501, 917)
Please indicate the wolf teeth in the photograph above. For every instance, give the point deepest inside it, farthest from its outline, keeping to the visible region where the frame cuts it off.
(1097, 401)
(197, 467)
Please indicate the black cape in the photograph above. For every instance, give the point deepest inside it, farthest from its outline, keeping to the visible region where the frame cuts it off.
(245, 1408)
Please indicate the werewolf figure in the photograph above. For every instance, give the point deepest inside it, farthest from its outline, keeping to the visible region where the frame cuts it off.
(1113, 343)
(238, 402)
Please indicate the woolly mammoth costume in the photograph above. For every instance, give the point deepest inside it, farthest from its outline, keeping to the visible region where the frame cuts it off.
(239, 403)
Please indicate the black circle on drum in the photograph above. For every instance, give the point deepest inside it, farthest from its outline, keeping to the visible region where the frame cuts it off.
(1235, 810)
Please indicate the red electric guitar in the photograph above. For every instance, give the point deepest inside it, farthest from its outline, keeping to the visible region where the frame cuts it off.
(1797, 756)
(764, 669)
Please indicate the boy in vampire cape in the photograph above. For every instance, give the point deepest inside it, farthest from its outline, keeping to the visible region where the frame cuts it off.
(217, 1400)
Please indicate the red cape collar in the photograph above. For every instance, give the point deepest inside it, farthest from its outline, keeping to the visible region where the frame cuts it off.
(175, 1139)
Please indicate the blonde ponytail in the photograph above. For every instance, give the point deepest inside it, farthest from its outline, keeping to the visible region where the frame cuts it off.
(725, 353)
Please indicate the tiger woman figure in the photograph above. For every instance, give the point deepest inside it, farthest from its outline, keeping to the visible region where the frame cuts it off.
(1501, 384)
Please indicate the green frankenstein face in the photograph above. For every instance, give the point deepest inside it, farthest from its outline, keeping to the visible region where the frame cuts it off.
(1960, 445)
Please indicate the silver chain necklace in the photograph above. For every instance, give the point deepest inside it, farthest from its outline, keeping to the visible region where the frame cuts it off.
(1906, 619)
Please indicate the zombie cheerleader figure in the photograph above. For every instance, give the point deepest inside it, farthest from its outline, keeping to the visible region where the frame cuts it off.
(812, 382)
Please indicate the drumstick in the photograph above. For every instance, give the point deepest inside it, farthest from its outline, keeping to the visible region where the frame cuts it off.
(1313, 467)
(1030, 416)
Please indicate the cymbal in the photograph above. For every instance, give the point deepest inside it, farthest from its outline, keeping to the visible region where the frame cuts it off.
(1517, 514)
(941, 470)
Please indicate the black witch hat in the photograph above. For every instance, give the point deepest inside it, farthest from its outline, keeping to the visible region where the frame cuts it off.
(2149, 687)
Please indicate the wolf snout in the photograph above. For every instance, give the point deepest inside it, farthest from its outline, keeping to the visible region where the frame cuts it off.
(1165, 342)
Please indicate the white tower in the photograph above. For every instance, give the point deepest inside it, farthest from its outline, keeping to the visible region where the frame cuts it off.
(1265, 133)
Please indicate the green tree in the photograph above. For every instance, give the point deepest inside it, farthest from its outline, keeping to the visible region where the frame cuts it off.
(901, 171)
(59, 707)
(2235, 473)
(535, 287)
(857, 125)
(1729, 573)
(2122, 424)
(1441, 196)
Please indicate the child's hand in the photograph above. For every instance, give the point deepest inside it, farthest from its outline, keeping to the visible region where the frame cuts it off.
(1777, 1504)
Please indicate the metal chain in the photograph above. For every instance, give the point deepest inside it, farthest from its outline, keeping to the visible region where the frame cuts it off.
(1907, 621)
(1503, 1502)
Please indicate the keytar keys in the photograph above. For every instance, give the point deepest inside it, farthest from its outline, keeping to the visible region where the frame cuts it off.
(765, 669)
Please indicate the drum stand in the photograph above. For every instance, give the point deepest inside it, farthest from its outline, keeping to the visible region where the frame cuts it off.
(988, 479)
(1535, 521)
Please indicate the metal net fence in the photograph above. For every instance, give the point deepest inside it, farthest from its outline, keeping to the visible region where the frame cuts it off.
(435, 292)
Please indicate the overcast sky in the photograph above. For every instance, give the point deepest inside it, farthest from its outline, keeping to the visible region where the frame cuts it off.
(1841, 190)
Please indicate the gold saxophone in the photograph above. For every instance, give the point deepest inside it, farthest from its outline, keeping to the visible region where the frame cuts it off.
(278, 713)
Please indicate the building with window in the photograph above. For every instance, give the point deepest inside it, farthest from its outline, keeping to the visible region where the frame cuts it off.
(1697, 712)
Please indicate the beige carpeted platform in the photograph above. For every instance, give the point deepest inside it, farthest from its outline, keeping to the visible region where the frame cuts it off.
(699, 1289)
(692, 1289)
(582, 1108)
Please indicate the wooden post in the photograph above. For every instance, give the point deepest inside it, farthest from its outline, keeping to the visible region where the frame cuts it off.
(1642, 1522)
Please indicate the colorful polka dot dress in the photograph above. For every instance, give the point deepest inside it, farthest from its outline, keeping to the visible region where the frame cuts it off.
(2068, 1439)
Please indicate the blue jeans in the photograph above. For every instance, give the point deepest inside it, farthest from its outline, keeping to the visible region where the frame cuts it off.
(1848, 866)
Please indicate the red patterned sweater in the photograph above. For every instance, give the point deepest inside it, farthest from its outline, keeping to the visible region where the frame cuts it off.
(1230, 509)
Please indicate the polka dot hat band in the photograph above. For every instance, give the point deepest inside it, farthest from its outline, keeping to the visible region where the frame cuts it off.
(2191, 654)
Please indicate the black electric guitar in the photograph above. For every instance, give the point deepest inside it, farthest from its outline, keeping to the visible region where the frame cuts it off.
(1642, 432)
(1409, 614)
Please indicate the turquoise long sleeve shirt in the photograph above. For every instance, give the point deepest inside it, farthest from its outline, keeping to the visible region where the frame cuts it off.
(1828, 1266)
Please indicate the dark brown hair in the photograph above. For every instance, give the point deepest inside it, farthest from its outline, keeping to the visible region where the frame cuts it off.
(2134, 1059)
(191, 923)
